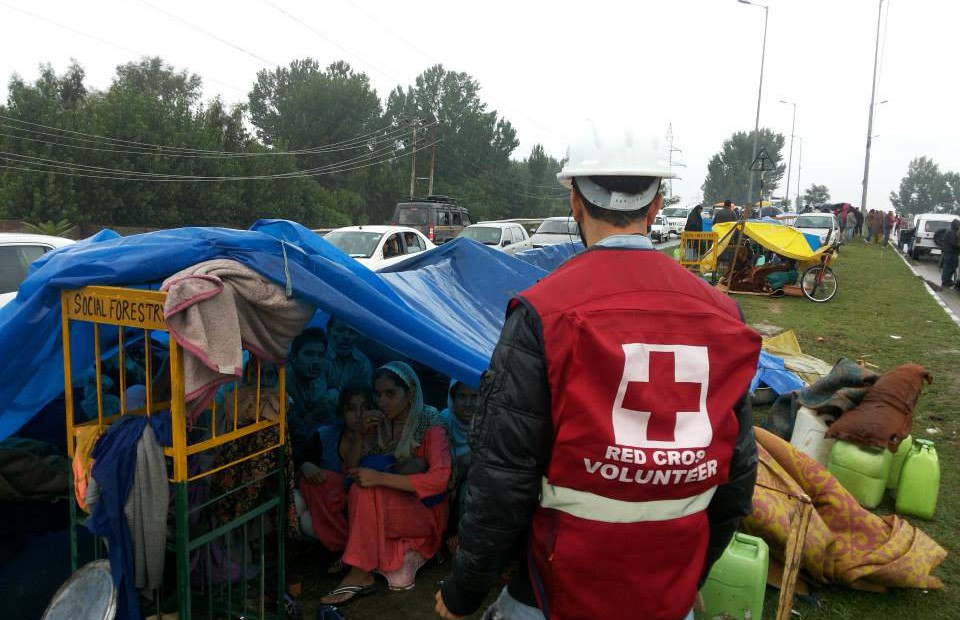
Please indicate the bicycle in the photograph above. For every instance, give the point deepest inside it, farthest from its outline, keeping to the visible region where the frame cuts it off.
(819, 283)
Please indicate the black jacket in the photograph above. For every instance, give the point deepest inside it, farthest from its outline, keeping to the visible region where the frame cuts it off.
(724, 215)
(694, 222)
(511, 438)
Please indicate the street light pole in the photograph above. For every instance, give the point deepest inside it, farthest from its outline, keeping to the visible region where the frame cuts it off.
(756, 125)
(793, 125)
(873, 98)
(799, 168)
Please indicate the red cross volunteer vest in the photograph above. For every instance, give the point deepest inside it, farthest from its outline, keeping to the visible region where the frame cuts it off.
(645, 364)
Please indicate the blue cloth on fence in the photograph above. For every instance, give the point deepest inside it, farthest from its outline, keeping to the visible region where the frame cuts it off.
(115, 458)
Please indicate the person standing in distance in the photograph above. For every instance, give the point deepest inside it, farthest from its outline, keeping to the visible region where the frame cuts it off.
(613, 448)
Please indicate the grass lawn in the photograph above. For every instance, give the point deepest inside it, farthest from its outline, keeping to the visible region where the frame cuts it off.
(878, 298)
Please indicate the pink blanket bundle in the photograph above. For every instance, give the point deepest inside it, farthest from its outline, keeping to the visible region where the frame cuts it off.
(218, 308)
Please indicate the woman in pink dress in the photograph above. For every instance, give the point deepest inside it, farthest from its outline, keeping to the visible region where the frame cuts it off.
(322, 486)
(397, 505)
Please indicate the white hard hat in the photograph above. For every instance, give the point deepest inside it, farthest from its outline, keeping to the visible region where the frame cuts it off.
(615, 151)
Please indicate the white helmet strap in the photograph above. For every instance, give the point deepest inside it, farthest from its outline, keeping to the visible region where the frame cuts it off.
(600, 196)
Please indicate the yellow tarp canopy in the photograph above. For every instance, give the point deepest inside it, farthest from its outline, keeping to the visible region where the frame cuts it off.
(784, 240)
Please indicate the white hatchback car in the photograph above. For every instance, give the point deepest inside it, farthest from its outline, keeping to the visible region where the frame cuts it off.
(377, 247)
(660, 230)
(17, 253)
(505, 236)
(823, 225)
(553, 230)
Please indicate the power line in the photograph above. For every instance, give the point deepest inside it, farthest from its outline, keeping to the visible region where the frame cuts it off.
(132, 146)
(430, 58)
(104, 41)
(368, 142)
(118, 175)
(136, 174)
(379, 68)
(207, 33)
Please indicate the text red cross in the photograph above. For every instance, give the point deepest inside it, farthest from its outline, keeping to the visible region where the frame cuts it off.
(663, 396)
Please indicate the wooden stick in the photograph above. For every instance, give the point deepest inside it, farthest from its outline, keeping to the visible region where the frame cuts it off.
(793, 556)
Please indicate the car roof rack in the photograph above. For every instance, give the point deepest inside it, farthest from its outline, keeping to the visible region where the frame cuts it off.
(433, 198)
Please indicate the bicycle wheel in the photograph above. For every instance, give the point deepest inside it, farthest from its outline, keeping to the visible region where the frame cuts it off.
(819, 283)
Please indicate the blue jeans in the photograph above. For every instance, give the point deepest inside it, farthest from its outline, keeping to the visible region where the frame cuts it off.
(508, 608)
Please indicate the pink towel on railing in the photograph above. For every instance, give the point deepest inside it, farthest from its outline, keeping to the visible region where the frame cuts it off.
(217, 308)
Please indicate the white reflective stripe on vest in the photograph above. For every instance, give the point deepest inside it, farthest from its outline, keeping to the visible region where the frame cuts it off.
(591, 506)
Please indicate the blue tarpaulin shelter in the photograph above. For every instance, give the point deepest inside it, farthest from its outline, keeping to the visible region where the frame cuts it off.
(446, 313)
(442, 308)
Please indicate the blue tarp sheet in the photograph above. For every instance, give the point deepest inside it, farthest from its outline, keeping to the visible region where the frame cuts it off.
(446, 314)
(442, 308)
(772, 373)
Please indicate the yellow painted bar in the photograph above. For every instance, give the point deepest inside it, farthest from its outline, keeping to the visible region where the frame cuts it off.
(282, 390)
(148, 369)
(259, 368)
(232, 463)
(178, 413)
(98, 373)
(250, 429)
(236, 405)
(123, 370)
(67, 377)
(213, 418)
(116, 306)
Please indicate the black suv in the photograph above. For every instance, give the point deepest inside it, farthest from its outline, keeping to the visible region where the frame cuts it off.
(440, 218)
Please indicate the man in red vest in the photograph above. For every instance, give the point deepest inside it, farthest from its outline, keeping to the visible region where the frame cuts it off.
(613, 450)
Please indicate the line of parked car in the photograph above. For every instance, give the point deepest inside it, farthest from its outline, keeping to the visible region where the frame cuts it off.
(17, 253)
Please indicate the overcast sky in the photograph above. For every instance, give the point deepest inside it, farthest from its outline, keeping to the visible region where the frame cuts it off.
(546, 66)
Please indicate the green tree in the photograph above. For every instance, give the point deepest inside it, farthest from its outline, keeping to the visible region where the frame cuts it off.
(473, 144)
(728, 172)
(29, 189)
(816, 195)
(925, 189)
(330, 114)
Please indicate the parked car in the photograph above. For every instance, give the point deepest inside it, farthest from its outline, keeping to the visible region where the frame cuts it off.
(505, 236)
(676, 218)
(925, 226)
(660, 230)
(379, 246)
(440, 218)
(770, 211)
(17, 253)
(555, 230)
(823, 225)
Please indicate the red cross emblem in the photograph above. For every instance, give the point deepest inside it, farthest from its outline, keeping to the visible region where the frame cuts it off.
(663, 396)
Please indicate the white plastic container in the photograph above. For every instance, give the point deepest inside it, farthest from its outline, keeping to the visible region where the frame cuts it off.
(808, 435)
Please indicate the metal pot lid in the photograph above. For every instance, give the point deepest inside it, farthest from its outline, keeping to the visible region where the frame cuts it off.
(89, 594)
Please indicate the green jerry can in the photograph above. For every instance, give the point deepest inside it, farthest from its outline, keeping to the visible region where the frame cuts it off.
(919, 481)
(737, 581)
(896, 465)
(861, 470)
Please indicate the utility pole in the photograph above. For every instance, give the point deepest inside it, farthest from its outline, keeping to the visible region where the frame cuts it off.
(799, 168)
(671, 150)
(793, 126)
(756, 125)
(413, 160)
(433, 156)
(873, 98)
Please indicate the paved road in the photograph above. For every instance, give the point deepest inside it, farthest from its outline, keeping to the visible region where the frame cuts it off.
(666, 244)
(927, 268)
